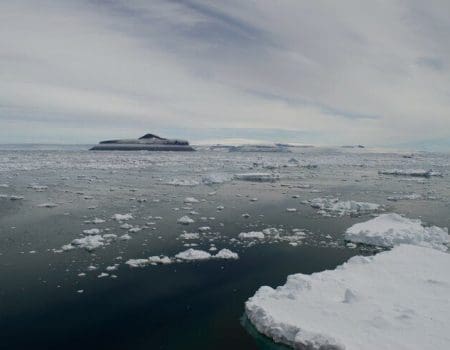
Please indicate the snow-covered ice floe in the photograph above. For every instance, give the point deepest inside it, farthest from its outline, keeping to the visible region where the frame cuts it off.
(410, 172)
(396, 300)
(184, 256)
(257, 177)
(392, 229)
(333, 206)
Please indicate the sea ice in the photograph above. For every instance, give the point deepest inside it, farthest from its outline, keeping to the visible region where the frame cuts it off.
(392, 229)
(226, 254)
(193, 254)
(333, 206)
(411, 172)
(251, 235)
(122, 217)
(396, 300)
(185, 220)
(257, 177)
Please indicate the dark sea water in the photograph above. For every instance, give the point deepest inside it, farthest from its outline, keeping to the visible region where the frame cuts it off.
(194, 305)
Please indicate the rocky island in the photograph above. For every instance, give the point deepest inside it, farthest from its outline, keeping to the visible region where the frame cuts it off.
(148, 142)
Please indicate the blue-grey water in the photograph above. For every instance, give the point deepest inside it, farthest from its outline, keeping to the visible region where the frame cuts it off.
(196, 305)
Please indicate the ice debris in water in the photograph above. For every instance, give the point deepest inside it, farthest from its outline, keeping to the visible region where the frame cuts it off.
(251, 235)
(393, 300)
(184, 256)
(212, 179)
(410, 172)
(333, 206)
(122, 217)
(392, 229)
(257, 177)
(185, 220)
(48, 205)
(182, 182)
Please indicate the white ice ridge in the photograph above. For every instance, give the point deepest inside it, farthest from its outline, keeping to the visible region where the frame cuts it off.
(333, 206)
(395, 300)
(392, 229)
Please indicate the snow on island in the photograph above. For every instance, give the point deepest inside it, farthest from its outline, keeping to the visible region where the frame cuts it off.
(396, 300)
(392, 229)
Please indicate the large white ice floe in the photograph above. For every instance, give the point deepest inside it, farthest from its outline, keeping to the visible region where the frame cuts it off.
(335, 207)
(392, 229)
(395, 300)
(411, 172)
(257, 177)
(251, 235)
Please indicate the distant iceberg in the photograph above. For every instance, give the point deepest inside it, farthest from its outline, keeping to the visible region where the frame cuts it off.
(148, 142)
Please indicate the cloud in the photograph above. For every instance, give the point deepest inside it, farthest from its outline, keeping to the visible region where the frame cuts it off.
(326, 72)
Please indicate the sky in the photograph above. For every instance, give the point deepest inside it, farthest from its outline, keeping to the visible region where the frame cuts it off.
(316, 72)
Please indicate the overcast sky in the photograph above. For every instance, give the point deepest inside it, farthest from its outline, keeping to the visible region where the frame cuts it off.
(325, 72)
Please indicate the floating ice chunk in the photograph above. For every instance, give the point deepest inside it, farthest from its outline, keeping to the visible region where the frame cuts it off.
(212, 179)
(410, 172)
(187, 235)
(182, 182)
(4, 185)
(412, 196)
(126, 226)
(271, 231)
(16, 198)
(163, 260)
(193, 254)
(103, 274)
(392, 229)
(122, 217)
(92, 231)
(251, 235)
(204, 228)
(191, 200)
(333, 206)
(291, 210)
(370, 303)
(185, 220)
(125, 237)
(257, 177)
(226, 254)
(48, 205)
(89, 242)
(97, 221)
(134, 229)
(137, 262)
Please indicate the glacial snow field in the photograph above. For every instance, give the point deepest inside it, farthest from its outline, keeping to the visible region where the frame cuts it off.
(163, 250)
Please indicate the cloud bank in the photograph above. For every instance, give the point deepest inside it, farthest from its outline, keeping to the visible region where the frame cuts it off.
(315, 72)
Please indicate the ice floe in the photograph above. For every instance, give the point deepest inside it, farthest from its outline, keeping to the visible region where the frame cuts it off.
(392, 229)
(122, 217)
(251, 235)
(185, 220)
(335, 207)
(393, 300)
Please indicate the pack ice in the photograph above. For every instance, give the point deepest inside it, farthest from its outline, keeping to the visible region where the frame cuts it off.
(395, 300)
